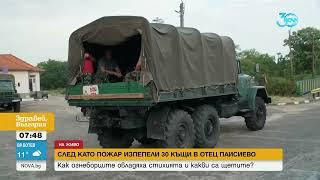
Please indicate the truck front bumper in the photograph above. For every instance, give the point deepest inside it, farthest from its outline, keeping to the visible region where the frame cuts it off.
(269, 100)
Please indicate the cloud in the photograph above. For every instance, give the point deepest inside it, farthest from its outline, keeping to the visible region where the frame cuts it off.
(36, 153)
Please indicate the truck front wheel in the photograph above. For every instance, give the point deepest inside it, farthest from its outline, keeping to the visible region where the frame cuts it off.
(256, 119)
(207, 126)
(179, 130)
(113, 138)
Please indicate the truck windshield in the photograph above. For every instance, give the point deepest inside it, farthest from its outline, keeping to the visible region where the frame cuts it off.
(6, 86)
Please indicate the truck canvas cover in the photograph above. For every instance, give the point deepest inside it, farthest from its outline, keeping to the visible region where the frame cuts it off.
(176, 58)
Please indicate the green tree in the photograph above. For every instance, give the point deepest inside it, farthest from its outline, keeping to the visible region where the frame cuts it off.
(267, 64)
(305, 45)
(283, 66)
(54, 75)
(276, 72)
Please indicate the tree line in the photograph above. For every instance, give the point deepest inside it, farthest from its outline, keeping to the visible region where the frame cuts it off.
(278, 73)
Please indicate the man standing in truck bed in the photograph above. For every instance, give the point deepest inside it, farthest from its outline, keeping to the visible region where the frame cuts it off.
(108, 70)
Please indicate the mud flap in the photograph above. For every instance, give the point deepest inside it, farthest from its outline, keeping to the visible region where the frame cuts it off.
(155, 122)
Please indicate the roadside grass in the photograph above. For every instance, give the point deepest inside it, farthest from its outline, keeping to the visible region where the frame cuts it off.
(285, 99)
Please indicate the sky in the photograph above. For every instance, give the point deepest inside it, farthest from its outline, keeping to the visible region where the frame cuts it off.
(36, 30)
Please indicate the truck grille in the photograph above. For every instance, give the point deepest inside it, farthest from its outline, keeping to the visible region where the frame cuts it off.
(6, 94)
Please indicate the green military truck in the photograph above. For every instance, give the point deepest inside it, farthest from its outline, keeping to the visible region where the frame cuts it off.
(9, 99)
(188, 80)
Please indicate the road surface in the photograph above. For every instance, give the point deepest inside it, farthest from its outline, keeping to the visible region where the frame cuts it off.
(294, 128)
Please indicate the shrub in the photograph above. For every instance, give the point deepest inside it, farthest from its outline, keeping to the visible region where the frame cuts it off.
(281, 86)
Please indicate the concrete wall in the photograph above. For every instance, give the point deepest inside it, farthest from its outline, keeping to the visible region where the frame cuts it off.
(22, 79)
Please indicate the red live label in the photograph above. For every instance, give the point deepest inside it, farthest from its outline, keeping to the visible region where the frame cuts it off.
(68, 144)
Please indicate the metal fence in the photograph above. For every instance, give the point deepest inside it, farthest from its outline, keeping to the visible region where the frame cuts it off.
(306, 86)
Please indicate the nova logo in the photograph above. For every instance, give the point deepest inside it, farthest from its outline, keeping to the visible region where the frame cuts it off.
(31, 165)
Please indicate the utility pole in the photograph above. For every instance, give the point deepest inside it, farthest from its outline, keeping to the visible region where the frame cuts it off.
(313, 56)
(181, 13)
(158, 20)
(290, 53)
(278, 58)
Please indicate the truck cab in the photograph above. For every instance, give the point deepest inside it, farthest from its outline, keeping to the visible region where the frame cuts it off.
(9, 98)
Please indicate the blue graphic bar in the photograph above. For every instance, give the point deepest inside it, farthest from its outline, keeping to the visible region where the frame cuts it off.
(31, 150)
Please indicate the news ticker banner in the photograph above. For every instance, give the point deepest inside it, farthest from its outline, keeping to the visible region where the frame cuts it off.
(31, 137)
(73, 158)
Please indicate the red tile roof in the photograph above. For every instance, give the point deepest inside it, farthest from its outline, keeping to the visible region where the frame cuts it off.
(16, 64)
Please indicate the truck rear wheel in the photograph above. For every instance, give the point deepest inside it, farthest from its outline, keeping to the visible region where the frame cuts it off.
(179, 130)
(16, 107)
(147, 142)
(256, 120)
(207, 126)
(111, 138)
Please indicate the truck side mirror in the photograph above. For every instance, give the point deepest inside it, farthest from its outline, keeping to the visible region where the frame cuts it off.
(239, 66)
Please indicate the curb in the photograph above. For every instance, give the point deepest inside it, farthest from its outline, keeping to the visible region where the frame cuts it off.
(43, 99)
(295, 102)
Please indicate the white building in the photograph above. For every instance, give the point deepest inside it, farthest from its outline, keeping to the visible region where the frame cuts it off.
(27, 77)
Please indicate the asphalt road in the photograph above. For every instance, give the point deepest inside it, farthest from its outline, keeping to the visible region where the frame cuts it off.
(294, 128)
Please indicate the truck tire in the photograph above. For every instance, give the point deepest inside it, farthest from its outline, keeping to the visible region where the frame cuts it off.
(207, 126)
(16, 107)
(9, 107)
(179, 130)
(114, 139)
(256, 120)
(147, 142)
